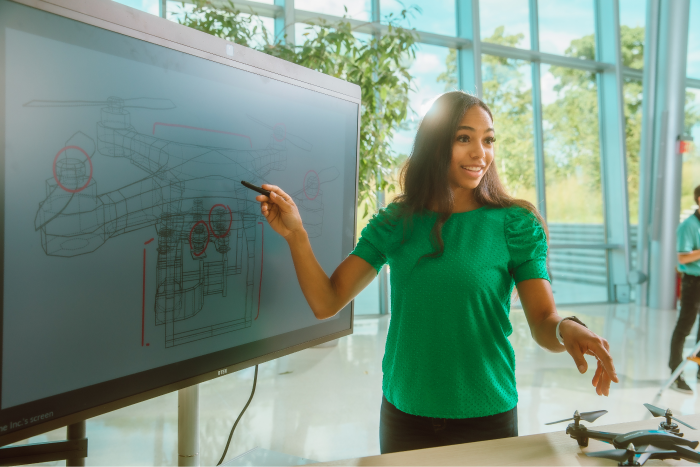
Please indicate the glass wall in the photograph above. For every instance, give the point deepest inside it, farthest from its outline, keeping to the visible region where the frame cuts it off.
(691, 160)
(423, 15)
(566, 26)
(632, 24)
(632, 92)
(149, 6)
(573, 185)
(507, 85)
(357, 9)
(506, 22)
(693, 68)
(571, 143)
(564, 106)
(434, 72)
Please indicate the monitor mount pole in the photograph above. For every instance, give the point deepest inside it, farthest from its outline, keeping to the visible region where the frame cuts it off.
(73, 450)
(188, 426)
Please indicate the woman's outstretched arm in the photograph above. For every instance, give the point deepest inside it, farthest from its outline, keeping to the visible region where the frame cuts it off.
(542, 317)
(326, 295)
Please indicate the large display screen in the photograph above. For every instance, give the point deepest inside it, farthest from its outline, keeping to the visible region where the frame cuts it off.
(133, 256)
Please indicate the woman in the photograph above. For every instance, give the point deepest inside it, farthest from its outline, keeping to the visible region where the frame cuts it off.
(457, 244)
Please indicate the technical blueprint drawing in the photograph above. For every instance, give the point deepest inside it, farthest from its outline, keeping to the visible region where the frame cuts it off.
(188, 196)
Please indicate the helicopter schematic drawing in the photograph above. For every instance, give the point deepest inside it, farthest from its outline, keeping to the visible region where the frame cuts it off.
(204, 222)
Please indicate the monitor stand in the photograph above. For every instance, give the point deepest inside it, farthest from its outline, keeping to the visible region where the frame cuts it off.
(73, 450)
(188, 426)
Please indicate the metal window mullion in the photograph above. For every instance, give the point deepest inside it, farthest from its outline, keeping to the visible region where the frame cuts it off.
(666, 164)
(285, 23)
(613, 161)
(537, 129)
(646, 156)
(544, 57)
(383, 276)
(469, 58)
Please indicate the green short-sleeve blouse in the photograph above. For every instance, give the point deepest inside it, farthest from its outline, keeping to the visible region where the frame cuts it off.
(447, 350)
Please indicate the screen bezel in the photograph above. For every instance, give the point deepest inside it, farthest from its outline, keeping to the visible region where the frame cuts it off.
(127, 21)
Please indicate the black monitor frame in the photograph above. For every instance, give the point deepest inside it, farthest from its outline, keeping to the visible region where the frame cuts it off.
(123, 20)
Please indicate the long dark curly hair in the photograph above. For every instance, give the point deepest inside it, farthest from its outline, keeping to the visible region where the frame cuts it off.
(424, 177)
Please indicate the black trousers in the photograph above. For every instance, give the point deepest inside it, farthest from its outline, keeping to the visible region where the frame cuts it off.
(399, 431)
(690, 307)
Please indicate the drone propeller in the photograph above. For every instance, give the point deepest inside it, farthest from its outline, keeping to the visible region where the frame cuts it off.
(292, 138)
(621, 455)
(589, 417)
(150, 103)
(658, 412)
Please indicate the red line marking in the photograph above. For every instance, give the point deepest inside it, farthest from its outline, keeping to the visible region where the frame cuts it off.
(318, 190)
(143, 298)
(262, 250)
(55, 175)
(230, 213)
(285, 132)
(208, 235)
(149, 241)
(201, 129)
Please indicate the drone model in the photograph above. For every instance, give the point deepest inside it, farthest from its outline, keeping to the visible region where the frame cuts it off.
(636, 447)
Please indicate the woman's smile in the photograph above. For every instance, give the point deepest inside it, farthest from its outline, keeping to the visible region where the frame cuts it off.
(473, 171)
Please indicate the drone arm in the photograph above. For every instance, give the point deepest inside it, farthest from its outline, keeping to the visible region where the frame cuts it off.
(604, 436)
(687, 453)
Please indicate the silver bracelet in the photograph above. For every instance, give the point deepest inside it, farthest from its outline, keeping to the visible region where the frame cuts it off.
(571, 318)
(559, 338)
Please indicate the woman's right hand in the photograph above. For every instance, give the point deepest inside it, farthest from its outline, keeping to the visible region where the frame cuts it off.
(280, 211)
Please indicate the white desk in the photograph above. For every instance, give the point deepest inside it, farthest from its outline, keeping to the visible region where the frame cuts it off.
(543, 449)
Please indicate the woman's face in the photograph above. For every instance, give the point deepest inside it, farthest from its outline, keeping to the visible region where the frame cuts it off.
(472, 149)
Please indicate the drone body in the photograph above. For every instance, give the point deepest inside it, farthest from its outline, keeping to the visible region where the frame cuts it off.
(664, 443)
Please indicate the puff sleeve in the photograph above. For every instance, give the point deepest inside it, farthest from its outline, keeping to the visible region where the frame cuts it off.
(378, 237)
(527, 245)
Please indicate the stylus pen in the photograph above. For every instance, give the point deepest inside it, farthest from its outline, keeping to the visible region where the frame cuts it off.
(262, 191)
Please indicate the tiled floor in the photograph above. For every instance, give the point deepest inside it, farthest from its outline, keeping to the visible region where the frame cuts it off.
(323, 403)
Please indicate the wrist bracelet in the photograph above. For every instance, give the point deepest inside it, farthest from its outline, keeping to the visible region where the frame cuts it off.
(572, 318)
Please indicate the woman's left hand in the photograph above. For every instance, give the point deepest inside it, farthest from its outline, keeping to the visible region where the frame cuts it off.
(580, 341)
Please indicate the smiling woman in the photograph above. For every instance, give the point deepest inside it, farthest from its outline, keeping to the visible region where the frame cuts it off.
(453, 152)
(457, 244)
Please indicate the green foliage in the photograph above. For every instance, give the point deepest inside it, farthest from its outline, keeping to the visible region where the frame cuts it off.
(509, 95)
(575, 118)
(632, 47)
(225, 22)
(632, 40)
(379, 65)
(449, 76)
(572, 140)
